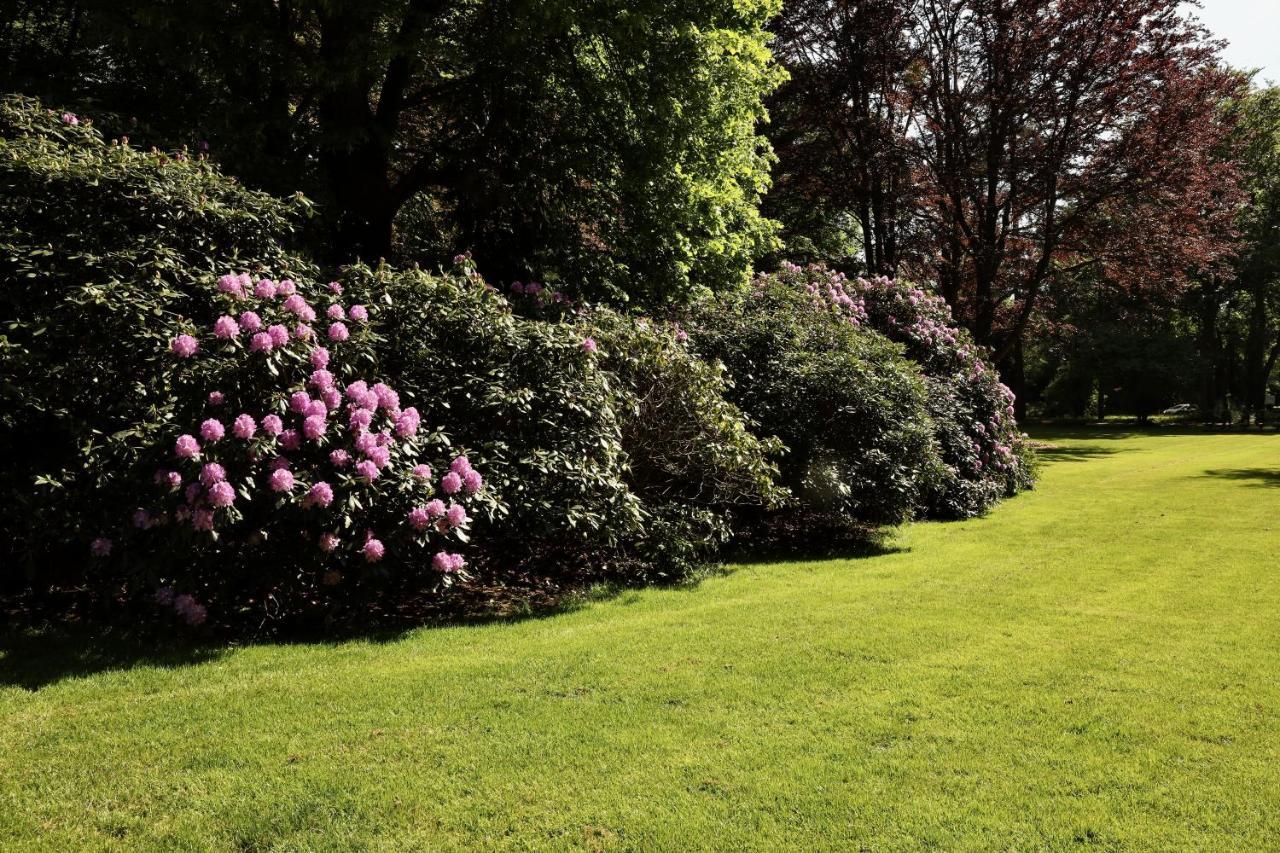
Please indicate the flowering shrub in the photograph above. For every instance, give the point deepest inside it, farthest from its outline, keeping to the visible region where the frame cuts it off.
(983, 453)
(292, 475)
(849, 408)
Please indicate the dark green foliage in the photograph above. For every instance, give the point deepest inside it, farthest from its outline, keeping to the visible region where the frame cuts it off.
(847, 405)
(102, 249)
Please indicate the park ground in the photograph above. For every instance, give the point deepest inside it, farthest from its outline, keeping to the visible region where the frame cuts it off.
(1096, 662)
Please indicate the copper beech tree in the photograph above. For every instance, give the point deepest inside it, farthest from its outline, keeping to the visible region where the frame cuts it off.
(997, 146)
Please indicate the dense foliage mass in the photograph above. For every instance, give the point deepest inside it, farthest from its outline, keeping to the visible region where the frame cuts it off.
(850, 410)
(982, 451)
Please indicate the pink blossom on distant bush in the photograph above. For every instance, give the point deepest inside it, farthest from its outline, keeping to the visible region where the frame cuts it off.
(212, 430)
(314, 426)
(320, 494)
(264, 289)
(460, 465)
(317, 408)
(279, 335)
(281, 480)
(387, 398)
(380, 456)
(335, 287)
(184, 346)
(358, 313)
(418, 518)
(186, 447)
(338, 332)
(279, 462)
(250, 321)
(320, 379)
(222, 494)
(231, 284)
(332, 399)
(445, 562)
(456, 515)
(374, 550)
(272, 425)
(261, 342)
(226, 327)
(298, 401)
(589, 345)
(217, 398)
(340, 458)
(365, 441)
(329, 542)
(435, 508)
(451, 483)
(472, 482)
(366, 470)
(319, 357)
(212, 473)
(290, 439)
(335, 312)
(422, 472)
(101, 547)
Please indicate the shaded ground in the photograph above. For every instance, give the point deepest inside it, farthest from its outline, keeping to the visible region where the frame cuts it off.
(1096, 662)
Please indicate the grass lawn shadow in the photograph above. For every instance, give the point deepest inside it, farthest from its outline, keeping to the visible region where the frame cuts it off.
(32, 660)
(1258, 478)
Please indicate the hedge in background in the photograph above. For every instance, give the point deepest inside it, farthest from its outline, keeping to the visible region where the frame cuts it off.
(985, 457)
(851, 411)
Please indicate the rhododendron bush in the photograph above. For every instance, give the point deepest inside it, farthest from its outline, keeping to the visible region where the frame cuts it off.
(296, 474)
(984, 455)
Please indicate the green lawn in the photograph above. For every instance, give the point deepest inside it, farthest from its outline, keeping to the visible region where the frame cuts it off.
(1098, 662)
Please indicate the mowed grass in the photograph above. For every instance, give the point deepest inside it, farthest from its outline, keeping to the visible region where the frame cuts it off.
(1097, 662)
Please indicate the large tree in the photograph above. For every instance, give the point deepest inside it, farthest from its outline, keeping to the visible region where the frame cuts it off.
(1041, 137)
(610, 144)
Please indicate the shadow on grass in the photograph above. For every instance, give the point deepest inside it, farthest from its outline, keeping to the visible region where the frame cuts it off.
(1258, 478)
(32, 660)
(1078, 453)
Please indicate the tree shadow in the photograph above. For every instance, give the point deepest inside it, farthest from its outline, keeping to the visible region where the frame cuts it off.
(1258, 478)
(1078, 453)
(34, 659)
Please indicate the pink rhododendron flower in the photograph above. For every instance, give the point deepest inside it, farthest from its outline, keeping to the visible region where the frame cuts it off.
(226, 327)
(298, 401)
(243, 427)
(286, 288)
(231, 284)
(435, 508)
(472, 482)
(281, 480)
(329, 542)
(290, 439)
(445, 562)
(380, 456)
(367, 470)
(358, 313)
(335, 287)
(451, 483)
(365, 442)
(272, 425)
(332, 398)
(517, 287)
(221, 494)
(202, 519)
(184, 346)
(321, 379)
(212, 473)
(261, 342)
(189, 609)
(250, 321)
(456, 515)
(321, 495)
(186, 447)
(303, 332)
(422, 472)
(295, 304)
(279, 462)
(314, 426)
(385, 439)
(265, 289)
(217, 398)
(317, 408)
(335, 312)
(418, 518)
(212, 430)
(360, 420)
(338, 332)
(101, 547)
(339, 458)
(357, 390)
(319, 357)
(387, 398)
(589, 345)
(373, 550)
(407, 423)
(279, 335)
(460, 465)
(170, 479)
